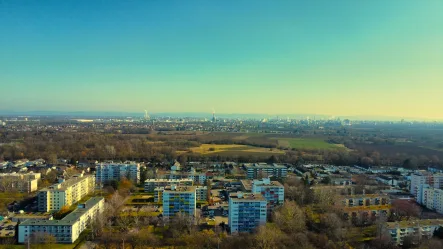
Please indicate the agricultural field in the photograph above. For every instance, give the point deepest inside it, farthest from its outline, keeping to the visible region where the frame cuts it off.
(208, 149)
(308, 143)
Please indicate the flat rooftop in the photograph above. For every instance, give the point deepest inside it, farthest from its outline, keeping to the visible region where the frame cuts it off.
(64, 185)
(190, 189)
(256, 165)
(70, 219)
(31, 216)
(246, 197)
(167, 180)
(118, 164)
(247, 184)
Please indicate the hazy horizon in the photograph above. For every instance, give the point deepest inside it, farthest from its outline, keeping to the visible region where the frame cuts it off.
(208, 115)
(337, 58)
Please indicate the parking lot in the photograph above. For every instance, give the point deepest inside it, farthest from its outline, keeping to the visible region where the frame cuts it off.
(7, 228)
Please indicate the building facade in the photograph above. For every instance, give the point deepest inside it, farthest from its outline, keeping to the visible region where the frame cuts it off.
(66, 193)
(365, 208)
(179, 199)
(117, 171)
(272, 191)
(23, 182)
(201, 193)
(430, 197)
(416, 229)
(434, 180)
(66, 230)
(247, 211)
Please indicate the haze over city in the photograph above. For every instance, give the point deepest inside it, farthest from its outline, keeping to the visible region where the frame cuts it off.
(342, 58)
(311, 124)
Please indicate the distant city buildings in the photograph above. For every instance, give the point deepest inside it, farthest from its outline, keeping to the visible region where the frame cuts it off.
(66, 193)
(117, 171)
(66, 230)
(179, 199)
(258, 171)
(247, 211)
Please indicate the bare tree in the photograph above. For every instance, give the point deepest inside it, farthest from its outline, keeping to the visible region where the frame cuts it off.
(268, 237)
(290, 218)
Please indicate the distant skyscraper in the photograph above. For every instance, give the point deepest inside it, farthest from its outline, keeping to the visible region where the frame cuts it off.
(146, 115)
(214, 119)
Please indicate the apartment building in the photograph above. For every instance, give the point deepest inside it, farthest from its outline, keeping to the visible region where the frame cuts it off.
(198, 178)
(272, 191)
(117, 171)
(247, 211)
(365, 207)
(23, 182)
(179, 199)
(365, 200)
(434, 180)
(66, 230)
(66, 193)
(430, 197)
(151, 184)
(417, 229)
(258, 170)
(201, 193)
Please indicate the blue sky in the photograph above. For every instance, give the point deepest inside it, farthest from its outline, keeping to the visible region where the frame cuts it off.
(341, 57)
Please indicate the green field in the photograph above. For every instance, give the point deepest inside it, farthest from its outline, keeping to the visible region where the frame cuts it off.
(308, 143)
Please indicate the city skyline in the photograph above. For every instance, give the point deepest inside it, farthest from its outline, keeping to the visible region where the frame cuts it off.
(344, 58)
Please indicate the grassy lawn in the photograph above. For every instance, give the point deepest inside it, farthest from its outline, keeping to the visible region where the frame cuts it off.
(307, 143)
(140, 199)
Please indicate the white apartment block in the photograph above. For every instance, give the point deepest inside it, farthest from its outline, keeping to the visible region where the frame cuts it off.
(66, 230)
(430, 197)
(246, 212)
(117, 171)
(151, 184)
(179, 199)
(66, 193)
(434, 180)
(257, 171)
(419, 229)
(23, 182)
